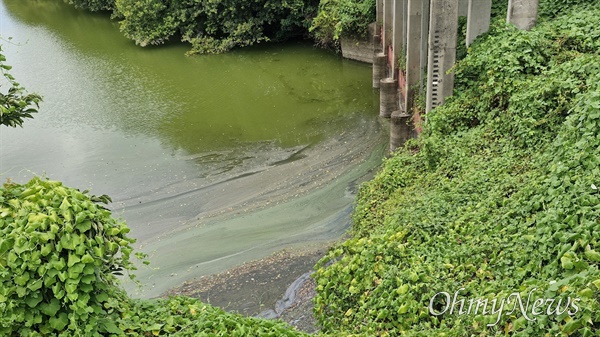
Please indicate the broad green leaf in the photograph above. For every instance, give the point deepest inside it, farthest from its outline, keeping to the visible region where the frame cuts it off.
(59, 322)
(50, 308)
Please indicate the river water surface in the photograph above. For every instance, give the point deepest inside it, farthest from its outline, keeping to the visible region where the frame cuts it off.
(212, 160)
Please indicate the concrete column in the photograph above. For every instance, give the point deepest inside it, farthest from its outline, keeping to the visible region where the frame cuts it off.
(401, 129)
(379, 68)
(377, 44)
(388, 101)
(424, 40)
(478, 18)
(463, 7)
(378, 24)
(399, 32)
(522, 13)
(388, 23)
(443, 24)
(413, 52)
(404, 23)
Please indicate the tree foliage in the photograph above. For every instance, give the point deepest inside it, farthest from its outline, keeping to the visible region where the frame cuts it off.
(213, 26)
(229, 23)
(151, 21)
(342, 17)
(16, 104)
(93, 5)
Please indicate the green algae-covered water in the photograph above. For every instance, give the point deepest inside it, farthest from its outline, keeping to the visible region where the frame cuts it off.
(212, 160)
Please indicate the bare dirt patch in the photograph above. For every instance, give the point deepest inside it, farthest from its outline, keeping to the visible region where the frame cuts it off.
(256, 287)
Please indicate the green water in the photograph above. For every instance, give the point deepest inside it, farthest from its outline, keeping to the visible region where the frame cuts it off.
(178, 140)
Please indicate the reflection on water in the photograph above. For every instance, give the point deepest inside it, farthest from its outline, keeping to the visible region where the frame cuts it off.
(286, 93)
(167, 135)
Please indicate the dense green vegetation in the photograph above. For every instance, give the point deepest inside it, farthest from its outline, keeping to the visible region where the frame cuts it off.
(93, 5)
(499, 196)
(217, 26)
(549, 9)
(210, 26)
(342, 17)
(60, 250)
(58, 253)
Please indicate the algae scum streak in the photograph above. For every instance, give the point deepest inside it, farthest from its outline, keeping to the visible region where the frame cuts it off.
(211, 160)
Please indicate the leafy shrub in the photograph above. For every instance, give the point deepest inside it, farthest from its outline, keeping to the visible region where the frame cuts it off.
(499, 196)
(214, 26)
(93, 5)
(151, 21)
(187, 317)
(58, 252)
(342, 17)
(227, 24)
(549, 9)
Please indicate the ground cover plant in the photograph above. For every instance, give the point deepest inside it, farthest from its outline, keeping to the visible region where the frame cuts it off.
(498, 199)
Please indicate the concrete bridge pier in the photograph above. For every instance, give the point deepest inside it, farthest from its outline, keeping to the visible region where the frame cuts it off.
(377, 40)
(388, 101)
(413, 52)
(443, 26)
(424, 41)
(388, 24)
(478, 14)
(399, 35)
(522, 13)
(417, 36)
(391, 39)
(379, 69)
(378, 55)
(401, 129)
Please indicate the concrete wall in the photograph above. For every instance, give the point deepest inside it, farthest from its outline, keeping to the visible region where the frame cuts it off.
(360, 49)
(357, 49)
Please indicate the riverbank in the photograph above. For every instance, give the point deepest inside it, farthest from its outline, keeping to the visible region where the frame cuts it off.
(278, 286)
(305, 197)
